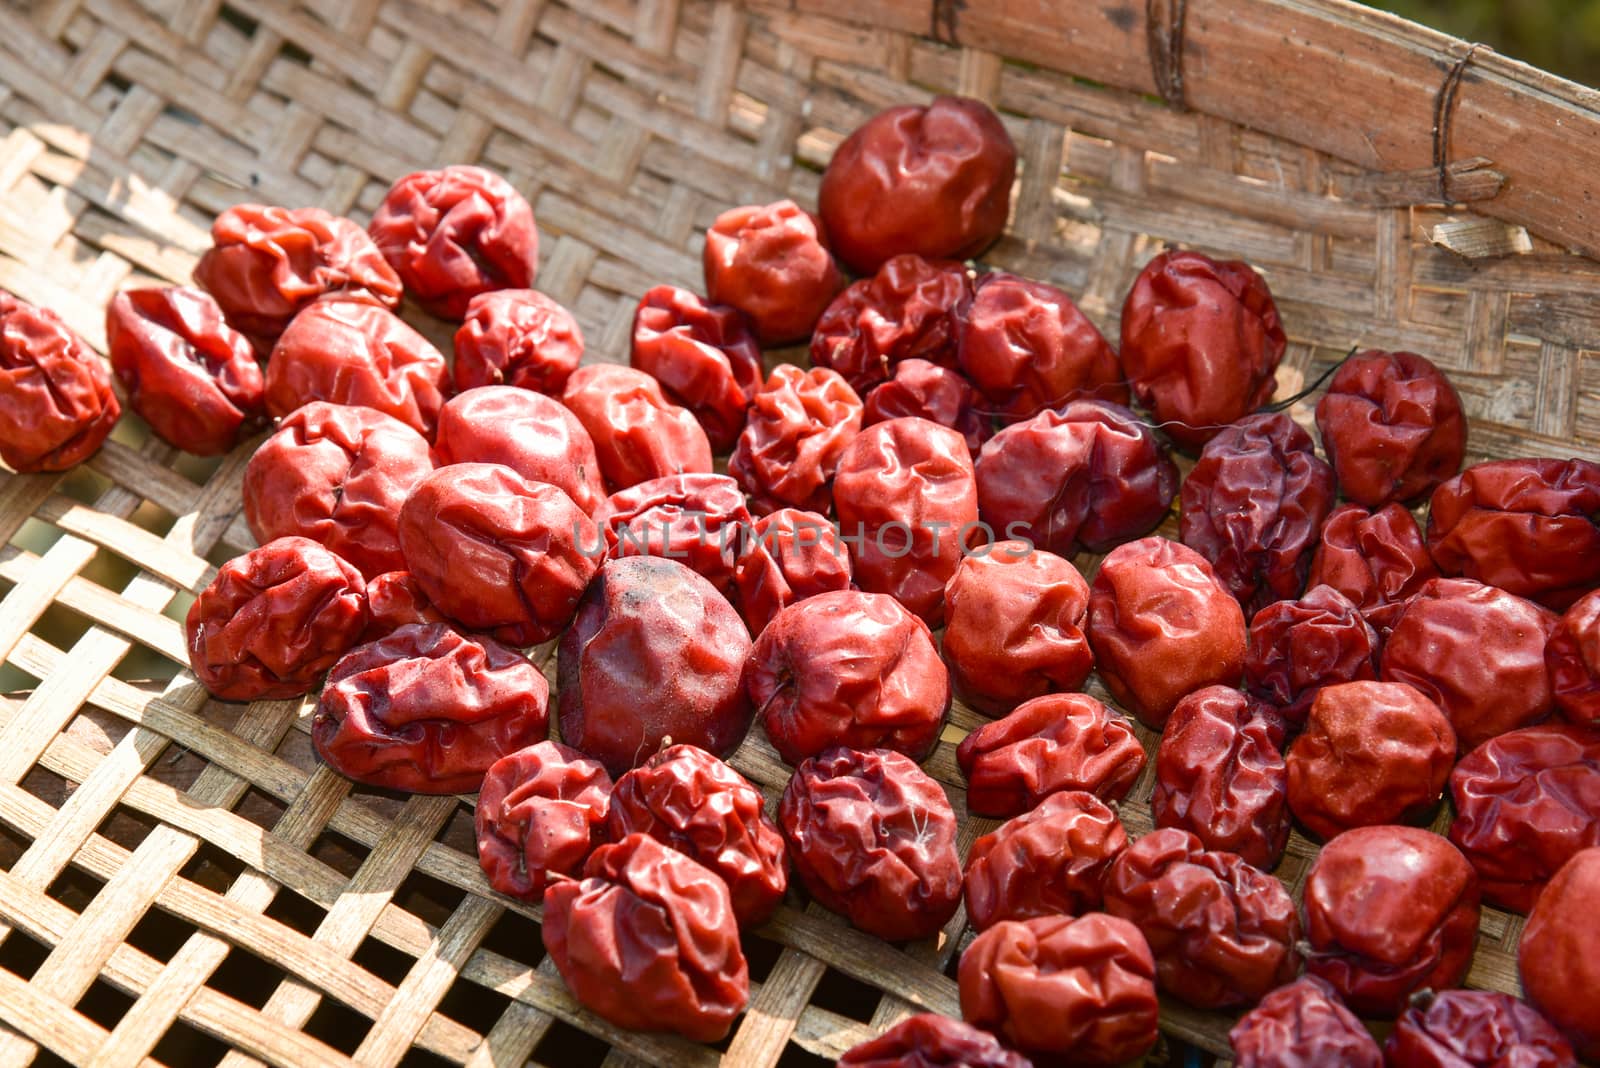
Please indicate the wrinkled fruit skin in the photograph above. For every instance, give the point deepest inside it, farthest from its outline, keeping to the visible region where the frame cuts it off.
(647, 940)
(429, 710)
(909, 310)
(1392, 426)
(393, 601)
(1298, 647)
(338, 475)
(874, 838)
(1223, 933)
(1221, 776)
(56, 401)
(637, 433)
(1201, 341)
(1376, 559)
(1088, 475)
(541, 811)
(274, 620)
(530, 433)
(1303, 1025)
(267, 263)
(1559, 955)
(791, 555)
(1062, 741)
(1063, 990)
(1390, 911)
(697, 519)
(704, 355)
(798, 426)
(686, 798)
(189, 374)
(655, 652)
(1013, 628)
(497, 552)
(1478, 653)
(848, 669)
(932, 180)
(346, 352)
(454, 233)
(1162, 626)
(1572, 658)
(1525, 803)
(1254, 507)
(1047, 862)
(1476, 1029)
(1526, 526)
(927, 391)
(771, 263)
(517, 337)
(1372, 753)
(905, 492)
(931, 1041)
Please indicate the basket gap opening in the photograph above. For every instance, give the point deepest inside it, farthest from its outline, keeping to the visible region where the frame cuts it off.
(473, 1006)
(213, 868)
(185, 1045)
(429, 899)
(569, 1047)
(246, 977)
(517, 937)
(846, 996)
(340, 1027)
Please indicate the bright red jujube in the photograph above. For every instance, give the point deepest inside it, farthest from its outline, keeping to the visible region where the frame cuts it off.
(927, 1040)
(772, 264)
(704, 355)
(1475, 1029)
(189, 374)
(798, 426)
(1559, 955)
(429, 710)
(1573, 659)
(530, 433)
(927, 391)
(910, 310)
(517, 337)
(56, 401)
(1303, 1025)
(791, 555)
(393, 601)
(637, 433)
(699, 520)
(1376, 559)
(932, 180)
(541, 811)
(454, 233)
(1201, 341)
(1047, 862)
(1298, 647)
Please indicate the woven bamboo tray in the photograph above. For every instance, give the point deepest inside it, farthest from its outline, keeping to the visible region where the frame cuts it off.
(183, 884)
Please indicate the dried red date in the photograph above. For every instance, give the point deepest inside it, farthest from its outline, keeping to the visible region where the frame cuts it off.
(454, 233)
(1372, 753)
(1201, 340)
(1013, 629)
(267, 263)
(189, 374)
(1298, 647)
(874, 838)
(909, 310)
(686, 798)
(56, 401)
(498, 553)
(1572, 658)
(355, 353)
(517, 337)
(337, 474)
(1392, 426)
(704, 355)
(1559, 955)
(791, 555)
(653, 653)
(852, 669)
(1221, 776)
(429, 710)
(528, 432)
(394, 600)
(274, 620)
(1062, 741)
(647, 940)
(1302, 1025)
(1475, 651)
(932, 180)
(1525, 802)
(905, 494)
(1062, 989)
(1390, 911)
(1376, 559)
(1475, 1029)
(1047, 862)
(700, 520)
(637, 433)
(930, 392)
(1088, 475)
(1526, 526)
(798, 426)
(771, 263)
(1162, 626)
(930, 1041)
(541, 810)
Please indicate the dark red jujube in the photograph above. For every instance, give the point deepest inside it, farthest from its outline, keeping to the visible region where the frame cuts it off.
(1572, 658)
(699, 520)
(394, 600)
(541, 811)
(528, 432)
(927, 391)
(927, 1040)
(1376, 559)
(1303, 1025)
(637, 433)
(56, 401)
(1559, 954)
(909, 310)
(1476, 1029)
(517, 337)
(790, 555)
(1298, 647)
(798, 426)
(1047, 862)
(704, 355)
(772, 264)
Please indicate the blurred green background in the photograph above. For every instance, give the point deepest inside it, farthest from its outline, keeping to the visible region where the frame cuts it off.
(1562, 36)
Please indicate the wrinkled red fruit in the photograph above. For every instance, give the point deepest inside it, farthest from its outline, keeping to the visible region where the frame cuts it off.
(1376, 559)
(874, 838)
(798, 426)
(1572, 658)
(909, 310)
(393, 601)
(937, 394)
(1298, 647)
(542, 809)
(1062, 741)
(56, 402)
(647, 940)
(1559, 955)
(528, 432)
(654, 653)
(637, 433)
(517, 337)
(1475, 1029)
(274, 620)
(704, 355)
(927, 1040)
(429, 710)
(790, 555)
(771, 263)
(699, 520)
(1047, 862)
(1302, 1025)
(848, 669)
